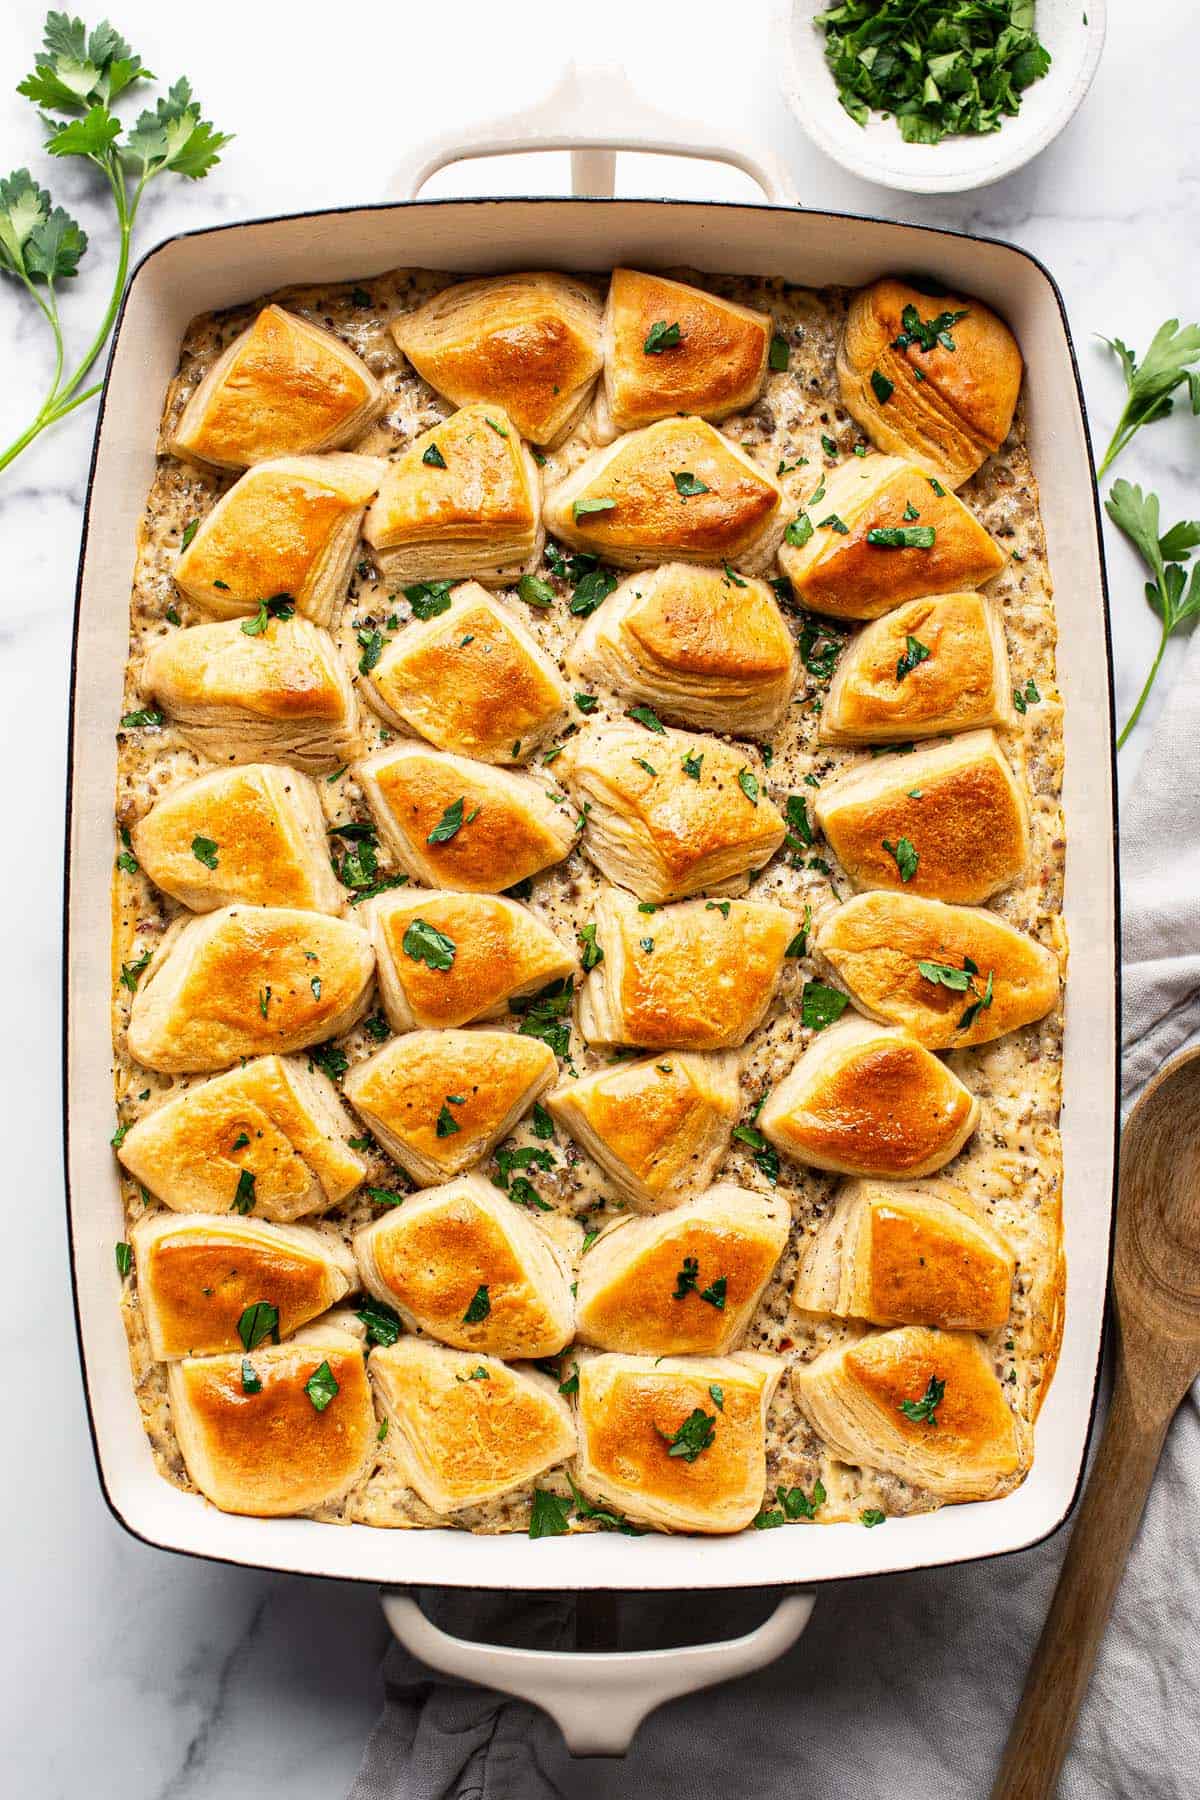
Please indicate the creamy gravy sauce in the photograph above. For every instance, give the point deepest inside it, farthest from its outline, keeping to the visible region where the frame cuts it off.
(1012, 1163)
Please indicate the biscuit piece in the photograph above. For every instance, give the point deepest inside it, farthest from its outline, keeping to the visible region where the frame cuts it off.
(949, 822)
(921, 1254)
(698, 976)
(934, 377)
(287, 528)
(455, 823)
(869, 1100)
(654, 1442)
(931, 666)
(672, 348)
(658, 1129)
(461, 1437)
(527, 343)
(464, 1265)
(668, 813)
(877, 532)
(676, 491)
(703, 647)
(687, 1282)
(283, 388)
(248, 979)
(471, 680)
(961, 1446)
(282, 1428)
(439, 1101)
(255, 834)
(445, 959)
(951, 975)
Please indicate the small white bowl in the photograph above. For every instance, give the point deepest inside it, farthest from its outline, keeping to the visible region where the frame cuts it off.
(1072, 31)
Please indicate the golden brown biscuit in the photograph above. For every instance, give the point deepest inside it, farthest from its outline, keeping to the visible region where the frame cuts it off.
(284, 387)
(197, 1276)
(949, 822)
(703, 647)
(464, 1265)
(255, 834)
(934, 665)
(961, 1447)
(439, 1101)
(248, 979)
(658, 1129)
(528, 343)
(687, 1282)
(461, 1437)
(869, 1100)
(670, 348)
(698, 976)
(471, 680)
(907, 1255)
(463, 500)
(951, 975)
(934, 377)
(677, 490)
(445, 959)
(876, 532)
(454, 823)
(283, 694)
(288, 527)
(634, 1412)
(281, 1428)
(274, 1129)
(668, 813)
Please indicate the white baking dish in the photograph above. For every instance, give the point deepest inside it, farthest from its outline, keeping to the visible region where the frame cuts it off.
(231, 264)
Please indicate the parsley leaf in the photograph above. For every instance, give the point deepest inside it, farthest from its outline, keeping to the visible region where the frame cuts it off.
(382, 1321)
(480, 1306)
(535, 592)
(914, 652)
(322, 1386)
(645, 715)
(205, 851)
(821, 1006)
(428, 599)
(660, 337)
(582, 507)
(779, 354)
(687, 485)
(1168, 363)
(748, 782)
(259, 1322)
(280, 606)
(550, 1514)
(696, 1434)
(871, 1516)
(424, 943)
(251, 1380)
(124, 1256)
(924, 1410)
(590, 953)
(451, 821)
(244, 1198)
(904, 855)
(547, 1015)
(1174, 597)
(433, 457)
(903, 537)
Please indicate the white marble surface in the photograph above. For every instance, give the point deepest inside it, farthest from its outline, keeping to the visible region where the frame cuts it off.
(125, 1671)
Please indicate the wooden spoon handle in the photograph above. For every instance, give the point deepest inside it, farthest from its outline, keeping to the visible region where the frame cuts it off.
(1104, 1531)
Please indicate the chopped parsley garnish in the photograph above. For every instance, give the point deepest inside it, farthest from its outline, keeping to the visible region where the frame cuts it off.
(691, 764)
(382, 1321)
(828, 446)
(315, 984)
(590, 953)
(581, 508)
(321, 1386)
(131, 972)
(189, 532)
(547, 1015)
(251, 1380)
(425, 944)
(149, 718)
(695, 1435)
(779, 355)
(480, 1307)
(540, 1121)
(434, 458)
(645, 715)
(748, 782)
(660, 337)
(570, 1385)
(795, 811)
(447, 1125)
(937, 487)
(264, 1000)
(721, 906)
(687, 485)
(535, 592)
(924, 1410)
(717, 1396)
(646, 944)
(833, 523)
(371, 645)
(259, 1322)
(902, 537)
(1024, 698)
(765, 1154)
(498, 429)
(977, 1005)
(244, 1198)
(732, 577)
(872, 1516)
(904, 855)
(881, 387)
(820, 645)
(799, 944)
(124, 1256)
(821, 1006)
(428, 599)
(280, 606)
(550, 1514)
(205, 850)
(587, 703)
(330, 1060)
(382, 1432)
(386, 1196)
(643, 764)
(451, 821)
(940, 69)
(914, 652)
(799, 531)
(926, 334)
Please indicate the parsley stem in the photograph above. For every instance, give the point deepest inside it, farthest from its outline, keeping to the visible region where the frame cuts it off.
(1136, 714)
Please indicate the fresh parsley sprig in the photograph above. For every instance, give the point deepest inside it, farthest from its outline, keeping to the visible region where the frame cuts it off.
(1172, 595)
(1151, 384)
(81, 73)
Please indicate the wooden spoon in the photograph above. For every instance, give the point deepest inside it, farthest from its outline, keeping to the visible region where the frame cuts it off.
(1156, 1285)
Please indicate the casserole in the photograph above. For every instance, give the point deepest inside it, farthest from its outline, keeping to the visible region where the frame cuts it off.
(228, 264)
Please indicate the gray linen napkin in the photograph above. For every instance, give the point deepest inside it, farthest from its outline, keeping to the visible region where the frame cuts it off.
(902, 1688)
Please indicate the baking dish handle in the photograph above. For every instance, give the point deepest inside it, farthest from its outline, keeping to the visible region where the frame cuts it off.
(597, 1699)
(593, 112)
